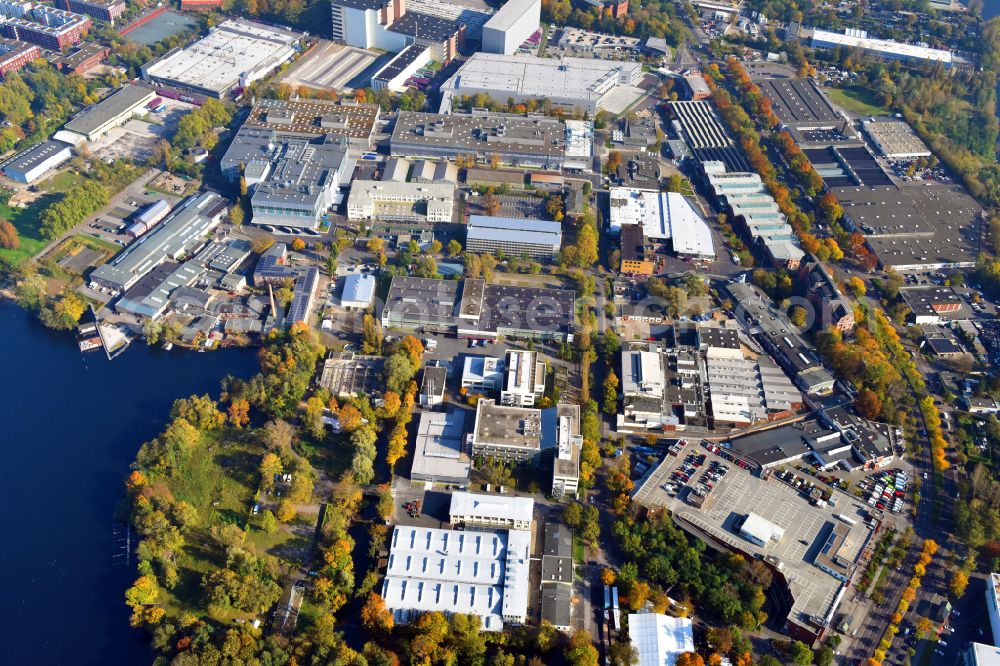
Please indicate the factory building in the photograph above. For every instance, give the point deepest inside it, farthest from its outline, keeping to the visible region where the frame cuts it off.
(293, 182)
(575, 84)
(32, 163)
(514, 237)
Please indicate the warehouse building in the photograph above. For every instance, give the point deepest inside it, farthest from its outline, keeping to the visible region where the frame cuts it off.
(113, 111)
(178, 236)
(394, 201)
(894, 138)
(516, 140)
(478, 573)
(931, 305)
(397, 71)
(514, 237)
(760, 531)
(697, 123)
(800, 104)
(660, 639)
(884, 48)
(934, 227)
(511, 26)
(474, 309)
(350, 375)
(575, 84)
(292, 181)
(663, 216)
(439, 452)
(233, 54)
(557, 576)
(315, 118)
(358, 292)
(32, 163)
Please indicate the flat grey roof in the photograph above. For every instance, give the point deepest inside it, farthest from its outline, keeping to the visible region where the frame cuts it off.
(94, 116)
(500, 133)
(28, 159)
(514, 230)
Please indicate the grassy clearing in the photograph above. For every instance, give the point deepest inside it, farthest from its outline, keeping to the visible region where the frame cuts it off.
(855, 100)
(27, 221)
(62, 182)
(578, 550)
(221, 485)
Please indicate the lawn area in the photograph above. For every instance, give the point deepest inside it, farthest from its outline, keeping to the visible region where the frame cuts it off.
(221, 485)
(62, 182)
(578, 550)
(27, 221)
(855, 100)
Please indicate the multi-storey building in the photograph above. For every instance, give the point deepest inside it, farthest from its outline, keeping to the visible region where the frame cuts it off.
(15, 55)
(524, 379)
(102, 10)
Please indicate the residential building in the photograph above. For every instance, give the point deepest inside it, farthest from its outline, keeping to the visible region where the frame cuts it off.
(85, 57)
(574, 84)
(358, 292)
(491, 511)
(15, 55)
(114, 110)
(478, 573)
(292, 181)
(46, 26)
(432, 387)
(179, 236)
(108, 11)
(439, 451)
(979, 654)
(831, 308)
(482, 374)
(984, 405)
(511, 26)
(32, 163)
(660, 639)
(523, 379)
(514, 237)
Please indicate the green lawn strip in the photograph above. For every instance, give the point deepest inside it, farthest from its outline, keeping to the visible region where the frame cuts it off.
(855, 100)
(27, 221)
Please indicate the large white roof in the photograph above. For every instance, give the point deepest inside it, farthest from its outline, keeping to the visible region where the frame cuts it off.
(495, 507)
(663, 215)
(761, 528)
(660, 639)
(689, 231)
(913, 51)
(484, 573)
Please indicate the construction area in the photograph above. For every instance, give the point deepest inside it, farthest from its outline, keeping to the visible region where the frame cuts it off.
(332, 66)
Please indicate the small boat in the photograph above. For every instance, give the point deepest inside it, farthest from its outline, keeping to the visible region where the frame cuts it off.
(167, 346)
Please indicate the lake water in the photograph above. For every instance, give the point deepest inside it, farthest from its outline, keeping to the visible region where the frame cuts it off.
(71, 426)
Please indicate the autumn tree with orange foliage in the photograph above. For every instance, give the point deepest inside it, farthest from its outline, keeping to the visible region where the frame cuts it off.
(239, 413)
(690, 659)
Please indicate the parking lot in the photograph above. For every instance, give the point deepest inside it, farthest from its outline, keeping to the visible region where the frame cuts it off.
(332, 66)
(734, 493)
(510, 206)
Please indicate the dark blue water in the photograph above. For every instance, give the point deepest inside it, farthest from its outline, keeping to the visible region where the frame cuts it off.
(71, 425)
